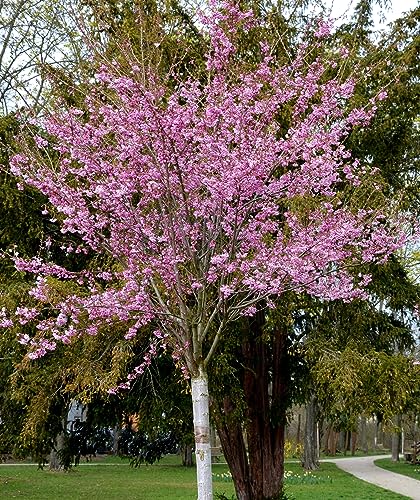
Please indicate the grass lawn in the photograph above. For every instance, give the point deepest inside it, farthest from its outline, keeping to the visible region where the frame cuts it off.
(112, 479)
(402, 467)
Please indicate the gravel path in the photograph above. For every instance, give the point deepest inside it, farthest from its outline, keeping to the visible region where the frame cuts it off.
(364, 468)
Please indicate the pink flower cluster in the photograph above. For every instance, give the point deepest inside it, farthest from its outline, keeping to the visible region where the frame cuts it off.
(157, 345)
(5, 320)
(195, 191)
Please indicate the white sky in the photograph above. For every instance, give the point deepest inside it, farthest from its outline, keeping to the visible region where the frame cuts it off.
(397, 8)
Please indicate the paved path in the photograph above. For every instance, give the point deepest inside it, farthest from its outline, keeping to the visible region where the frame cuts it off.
(364, 468)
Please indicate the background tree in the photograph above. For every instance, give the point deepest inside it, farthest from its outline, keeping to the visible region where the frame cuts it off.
(35, 34)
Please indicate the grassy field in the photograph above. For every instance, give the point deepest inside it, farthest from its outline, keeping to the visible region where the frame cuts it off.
(402, 467)
(110, 480)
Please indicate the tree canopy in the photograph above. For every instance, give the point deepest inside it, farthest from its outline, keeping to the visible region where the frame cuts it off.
(214, 192)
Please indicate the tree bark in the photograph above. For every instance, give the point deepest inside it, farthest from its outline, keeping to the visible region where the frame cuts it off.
(265, 381)
(327, 440)
(331, 441)
(342, 441)
(363, 435)
(187, 456)
(396, 440)
(310, 451)
(55, 463)
(299, 423)
(234, 449)
(353, 443)
(200, 400)
(266, 412)
(347, 442)
(376, 438)
(115, 438)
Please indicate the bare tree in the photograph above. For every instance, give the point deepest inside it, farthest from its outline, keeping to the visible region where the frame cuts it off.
(35, 34)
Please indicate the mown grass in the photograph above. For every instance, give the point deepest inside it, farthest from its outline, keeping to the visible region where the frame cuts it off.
(109, 480)
(402, 467)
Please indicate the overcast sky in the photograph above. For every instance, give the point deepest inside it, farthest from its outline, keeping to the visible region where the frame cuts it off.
(397, 7)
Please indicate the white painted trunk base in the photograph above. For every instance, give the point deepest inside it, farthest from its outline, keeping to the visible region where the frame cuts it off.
(200, 400)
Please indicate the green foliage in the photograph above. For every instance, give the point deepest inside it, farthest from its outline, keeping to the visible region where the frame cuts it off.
(222, 496)
(20, 211)
(351, 383)
(162, 36)
(361, 353)
(83, 440)
(391, 142)
(293, 450)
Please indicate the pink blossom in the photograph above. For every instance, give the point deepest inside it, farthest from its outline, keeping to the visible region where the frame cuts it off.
(40, 141)
(24, 338)
(195, 195)
(323, 29)
(25, 314)
(61, 319)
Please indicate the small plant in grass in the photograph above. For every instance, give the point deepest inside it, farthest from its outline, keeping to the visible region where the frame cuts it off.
(224, 476)
(283, 496)
(404, 468)
(290, 477)
(306, 478)
(222, 496)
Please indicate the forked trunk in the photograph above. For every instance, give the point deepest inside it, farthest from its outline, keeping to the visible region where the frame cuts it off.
(200, 400)
(266, 401)
(258, 475)
(234, 449)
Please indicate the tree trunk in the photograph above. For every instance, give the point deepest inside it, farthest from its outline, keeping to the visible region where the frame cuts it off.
(331, 441)
(363, 435)
(187, 456)
(376, 438)
(327, 440)
(347, 439)
(310, 451)
(115, 438)
(232, 439)
(396, 440)
(200, 400)
(267, 404)
(299, 423)
(353, 443)
(265, 378)
(55, 463)
(334, 442)
(342, 441)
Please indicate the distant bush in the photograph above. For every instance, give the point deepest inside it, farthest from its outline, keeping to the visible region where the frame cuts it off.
(86, 441)
(293, 450)
(143, 448)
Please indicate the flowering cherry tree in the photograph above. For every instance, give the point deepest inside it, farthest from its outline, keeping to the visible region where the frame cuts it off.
(209, 207)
